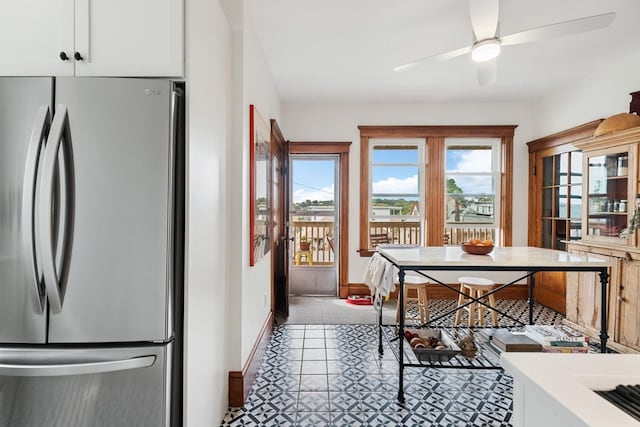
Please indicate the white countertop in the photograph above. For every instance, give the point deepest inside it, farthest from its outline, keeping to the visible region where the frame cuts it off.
(511, 256)
(570, 378)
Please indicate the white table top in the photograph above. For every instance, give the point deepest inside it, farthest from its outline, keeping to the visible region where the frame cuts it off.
(571, 378)
(512, 256)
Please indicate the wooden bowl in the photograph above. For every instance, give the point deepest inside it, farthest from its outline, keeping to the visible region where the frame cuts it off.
(476, 249)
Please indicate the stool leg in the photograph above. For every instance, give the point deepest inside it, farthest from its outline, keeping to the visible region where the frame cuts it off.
(460, 302)
(423, 308)
(472, 309)
(480, 309)
(494, 315)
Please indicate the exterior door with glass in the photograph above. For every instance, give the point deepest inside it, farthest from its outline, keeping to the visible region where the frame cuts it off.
(313, 219)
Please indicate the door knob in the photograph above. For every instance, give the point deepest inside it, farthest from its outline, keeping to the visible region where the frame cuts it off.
(78, 56)
(63, 56)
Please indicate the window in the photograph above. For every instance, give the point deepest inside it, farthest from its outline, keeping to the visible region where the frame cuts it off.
(395, 205)
(472, 188)
(424, 184)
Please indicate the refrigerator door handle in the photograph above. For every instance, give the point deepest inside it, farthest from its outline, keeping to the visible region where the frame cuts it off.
(54, 275)
(29, 194)
(20, 370)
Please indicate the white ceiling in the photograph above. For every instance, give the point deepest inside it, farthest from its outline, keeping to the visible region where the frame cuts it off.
(345, 50)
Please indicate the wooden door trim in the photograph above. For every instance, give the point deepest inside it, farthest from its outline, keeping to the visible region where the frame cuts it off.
(342, 149)
(279, 144)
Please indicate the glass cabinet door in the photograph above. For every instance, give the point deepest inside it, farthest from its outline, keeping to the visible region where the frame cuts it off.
(561, 199)
(608, 195)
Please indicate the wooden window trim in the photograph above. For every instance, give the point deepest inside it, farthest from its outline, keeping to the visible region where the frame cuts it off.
(434, 137)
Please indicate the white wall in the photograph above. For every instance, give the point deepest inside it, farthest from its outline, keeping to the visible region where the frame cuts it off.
(227, 302)
(602, 93)
(208, 76)
(259, 90)
(340, 121)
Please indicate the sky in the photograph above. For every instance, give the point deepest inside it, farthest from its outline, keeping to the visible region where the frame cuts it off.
(314, 179)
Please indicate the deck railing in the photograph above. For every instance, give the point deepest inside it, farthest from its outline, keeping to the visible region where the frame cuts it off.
(400, 233)
(458, 235)
(316, 233)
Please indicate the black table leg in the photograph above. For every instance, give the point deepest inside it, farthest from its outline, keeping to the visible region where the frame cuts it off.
(379, 302)
(604, 279)
(532, 283)
(401, 337)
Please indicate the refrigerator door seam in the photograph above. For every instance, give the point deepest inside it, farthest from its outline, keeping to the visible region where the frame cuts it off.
(31, 249)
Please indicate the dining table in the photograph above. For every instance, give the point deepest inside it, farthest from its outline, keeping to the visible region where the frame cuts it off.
(427, 261)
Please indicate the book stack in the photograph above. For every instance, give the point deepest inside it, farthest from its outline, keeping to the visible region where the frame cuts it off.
(509, 341)
(558, 338)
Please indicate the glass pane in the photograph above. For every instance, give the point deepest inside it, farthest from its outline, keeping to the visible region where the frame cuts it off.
(576, 167)
(575, 208)
(562, 202)
(470, 184)
(546, 233)
(389, 154)
(560, 235)
(562, 169)
(575, 230)
(394, 206)
(470, 209)
(547, 171)
(313, 185)
(597, 176)
(395, 180)
(469, 159)
(546, 202)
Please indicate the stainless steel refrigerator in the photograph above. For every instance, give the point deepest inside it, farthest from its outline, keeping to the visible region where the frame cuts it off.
(91, 251)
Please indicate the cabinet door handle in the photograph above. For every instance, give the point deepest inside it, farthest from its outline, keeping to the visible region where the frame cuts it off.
(78, 56)
(64, 56)
(621, 299)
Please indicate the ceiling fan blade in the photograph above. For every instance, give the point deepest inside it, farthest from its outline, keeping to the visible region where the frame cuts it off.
(487, 72)
(559, 29)
(484, 18)
(435, 58)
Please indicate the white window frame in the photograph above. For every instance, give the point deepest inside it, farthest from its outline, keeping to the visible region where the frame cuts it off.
(495, 173)
(419, 143)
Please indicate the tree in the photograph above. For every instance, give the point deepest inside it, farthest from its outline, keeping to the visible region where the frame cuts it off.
(452, 188)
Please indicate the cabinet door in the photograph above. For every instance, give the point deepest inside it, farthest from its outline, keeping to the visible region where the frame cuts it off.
(628, 298)
(130, 38)
(584, 296)
(608, 194)
(33, 33)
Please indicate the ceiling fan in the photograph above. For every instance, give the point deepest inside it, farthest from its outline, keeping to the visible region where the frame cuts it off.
(488, 42)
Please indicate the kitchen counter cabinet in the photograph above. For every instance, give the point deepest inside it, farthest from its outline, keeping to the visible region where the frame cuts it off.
(142, 38)
(558, 389)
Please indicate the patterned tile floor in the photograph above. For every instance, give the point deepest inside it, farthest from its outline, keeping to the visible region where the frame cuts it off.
(332, 375)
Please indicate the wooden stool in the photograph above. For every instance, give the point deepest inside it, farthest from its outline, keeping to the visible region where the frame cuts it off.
(419, 284)
(476, 287)
(307, 256)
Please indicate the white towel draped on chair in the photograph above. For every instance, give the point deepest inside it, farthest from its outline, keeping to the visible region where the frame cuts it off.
(379, 275)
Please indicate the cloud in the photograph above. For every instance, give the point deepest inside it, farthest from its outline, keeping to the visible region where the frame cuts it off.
(320, 194)
(474, 161)
(393, 185)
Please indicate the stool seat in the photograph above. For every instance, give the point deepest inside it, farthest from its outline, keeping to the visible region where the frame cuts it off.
(476, 281)
(419, 284)
(474, 288)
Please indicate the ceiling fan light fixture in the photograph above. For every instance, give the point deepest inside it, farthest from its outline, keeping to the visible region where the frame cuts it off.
(485, 50)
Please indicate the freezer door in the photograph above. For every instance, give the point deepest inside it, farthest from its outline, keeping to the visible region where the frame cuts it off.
(118, 287)
(85, 387)
(24, 120)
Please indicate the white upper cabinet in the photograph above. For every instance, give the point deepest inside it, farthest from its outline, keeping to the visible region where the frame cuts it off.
(97, 37)
(33, 34)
